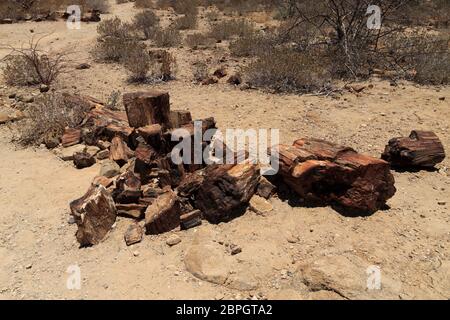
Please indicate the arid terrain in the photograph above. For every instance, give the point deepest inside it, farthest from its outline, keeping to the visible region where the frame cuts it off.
(288, 253)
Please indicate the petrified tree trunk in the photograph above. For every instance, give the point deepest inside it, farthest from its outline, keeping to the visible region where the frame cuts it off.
(145, 108)
(324, 173)
(420, 149)
(128, 188)
(226, 190)
(71, 137)
(163, 214)
(179, 118)
(119, 151)
(94, 213)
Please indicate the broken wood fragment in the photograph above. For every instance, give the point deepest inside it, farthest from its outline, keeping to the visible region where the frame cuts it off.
(420, 149)
(190, 220)
(71, 137)
(145, 108)
(179, 118)
(119, 151)
(163, 214)
(94, 213)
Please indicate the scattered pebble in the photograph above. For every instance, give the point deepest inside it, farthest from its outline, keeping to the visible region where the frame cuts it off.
(173, 240)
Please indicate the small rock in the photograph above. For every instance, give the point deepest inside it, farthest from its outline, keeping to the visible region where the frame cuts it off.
(442, 98)
(133, 234)
(265, 188)
(4, 118)
(109, 169)
(44, 88)
(103, 154)
(92, 150)
(235, 249)
(66, 154)
(83, 66)
(442, 203)
(173, 240)
(235, 79)
(29, 266)
(12, 95)
(136, 253)
(71, 220)
(260, 205)
(103, 144)
(83, 160)
(26, 99)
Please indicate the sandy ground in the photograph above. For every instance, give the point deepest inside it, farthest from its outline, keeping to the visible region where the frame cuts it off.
(290, 253)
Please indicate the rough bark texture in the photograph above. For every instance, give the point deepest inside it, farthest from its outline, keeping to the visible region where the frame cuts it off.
(190, 220)
(420, 149)
(71, 137)
(226, 190)
(145, 108)
(163, 214)
(119, 151)
(179, 118)
(324, 173)
(94, 213)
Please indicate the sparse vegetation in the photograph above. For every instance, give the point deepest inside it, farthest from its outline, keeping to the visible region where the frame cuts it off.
(199, 71)
(115, 40)
(188, 21)
(137, 62)
(227, 29)
(30, 65)
(147, 22)
(198, 39)
(47, 118)
(167, 37)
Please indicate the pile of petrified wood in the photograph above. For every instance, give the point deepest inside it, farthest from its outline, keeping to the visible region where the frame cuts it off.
(143, 183)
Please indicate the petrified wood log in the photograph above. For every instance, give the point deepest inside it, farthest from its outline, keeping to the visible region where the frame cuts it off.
(145, 108)
(323, 173)
(131, 210)
(94, 213)
(71, 137)
(163, 214)
(152, 135)
(119, 151)
(420, 149)
(128, 188)
(179, 118)
(190, 219)
(226, 190)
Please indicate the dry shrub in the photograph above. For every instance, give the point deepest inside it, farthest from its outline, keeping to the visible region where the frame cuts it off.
(143, 3)
(419, 57)
(230, 28)
(115, 39)
(167, 37)
(100, 5)
(198, 39)
(284, 70)
(199, 71)
(30, 65)
(188, 21)
(137, 61)
(47, 118)
(147, 22)
(252, 44)
(179, 6)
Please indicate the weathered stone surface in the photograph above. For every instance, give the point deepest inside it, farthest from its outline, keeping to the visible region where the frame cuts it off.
(119, 151)
(345, 275)
(133, 234)
(260, 205)
(104, 181)
(145, 108)
(94, 213)
(103, 154)
(66, 154)
(173, 240)
(83, 160)
(163, 214)
(92, 150)
(109, 169)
